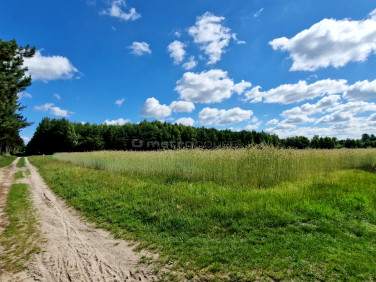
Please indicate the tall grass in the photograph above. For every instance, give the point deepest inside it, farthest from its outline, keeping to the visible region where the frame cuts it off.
(319, 229)
(255, 167)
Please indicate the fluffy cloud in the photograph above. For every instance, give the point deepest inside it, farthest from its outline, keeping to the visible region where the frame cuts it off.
(185, 121)
(292, 93)
(53, 110)
(272, 122)
(116, 10)
(140, 48)
(335, 117)
(208, 116)
(47, 68)
(182, 106)
(361, 90)
(330, 42)
(211, 86)
(311, 109)
(190, 64)
(119, 102)
(152, 108)
(211, 36)
(119, 121)
(297, 119)
(177, 51)
(57, 96)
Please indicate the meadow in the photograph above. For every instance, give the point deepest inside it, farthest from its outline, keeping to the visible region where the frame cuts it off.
(247, 214)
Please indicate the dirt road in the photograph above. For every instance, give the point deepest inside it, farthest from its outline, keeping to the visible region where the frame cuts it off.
(74, 250)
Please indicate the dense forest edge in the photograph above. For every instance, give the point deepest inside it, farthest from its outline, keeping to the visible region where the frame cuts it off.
(61, 135)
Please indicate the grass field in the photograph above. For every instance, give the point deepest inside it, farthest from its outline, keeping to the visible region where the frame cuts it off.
(247, 214)
(20, 238)
(6, 160)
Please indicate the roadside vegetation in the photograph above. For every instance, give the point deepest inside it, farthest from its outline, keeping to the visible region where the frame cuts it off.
(6, 160)
(20, 238)
(234, 214)
(21, 162)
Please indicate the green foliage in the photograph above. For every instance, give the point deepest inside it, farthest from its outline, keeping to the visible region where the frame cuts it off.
(53, 135)
(20, 238)
(320, 228)
(12, 82)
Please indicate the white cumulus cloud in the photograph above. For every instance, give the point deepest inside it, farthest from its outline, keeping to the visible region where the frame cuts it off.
(361, 90)
(140, 48)
(211, 86)
(208, 116)
(330, 42)
(53, 110)
(46, 68)
(152, 108)
(293, 93)
(116, 10)
(182, 106)
(187, 121)
(119, 121)
(211, 36)
(190, 64)
(177, 51)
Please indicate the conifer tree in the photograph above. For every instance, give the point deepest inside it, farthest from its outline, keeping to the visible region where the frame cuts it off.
(12, 82)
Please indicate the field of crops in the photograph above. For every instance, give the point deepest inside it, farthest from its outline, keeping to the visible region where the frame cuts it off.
(257, 213)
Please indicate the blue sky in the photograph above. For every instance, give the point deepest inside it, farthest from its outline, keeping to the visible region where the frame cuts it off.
(297, 67)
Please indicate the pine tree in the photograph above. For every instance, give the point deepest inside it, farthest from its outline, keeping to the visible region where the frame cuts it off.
(12, 82)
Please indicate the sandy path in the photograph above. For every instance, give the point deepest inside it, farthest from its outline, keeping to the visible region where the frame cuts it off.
(6, 178)
(74, 250)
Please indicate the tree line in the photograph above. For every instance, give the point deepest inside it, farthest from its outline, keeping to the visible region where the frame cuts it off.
(12, 82)
(61, 135)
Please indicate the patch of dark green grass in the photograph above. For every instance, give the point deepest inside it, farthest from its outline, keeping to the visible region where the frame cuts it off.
(318, 229)
(20, 238)
(21, 162)
(6, 160)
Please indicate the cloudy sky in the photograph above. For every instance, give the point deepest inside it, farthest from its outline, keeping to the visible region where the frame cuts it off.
(294, 67)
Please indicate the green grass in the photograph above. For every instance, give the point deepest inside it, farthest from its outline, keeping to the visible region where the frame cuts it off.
(6, 160)
(21, 162)
(319, 228)
(18, 175)
(20, 238)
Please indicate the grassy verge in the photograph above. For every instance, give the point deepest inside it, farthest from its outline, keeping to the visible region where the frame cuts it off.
(6, 160)
(20, 238)
(323, 228)
(21, 162)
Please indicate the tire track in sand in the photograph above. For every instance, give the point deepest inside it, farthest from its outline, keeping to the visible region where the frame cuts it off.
(74, 250)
